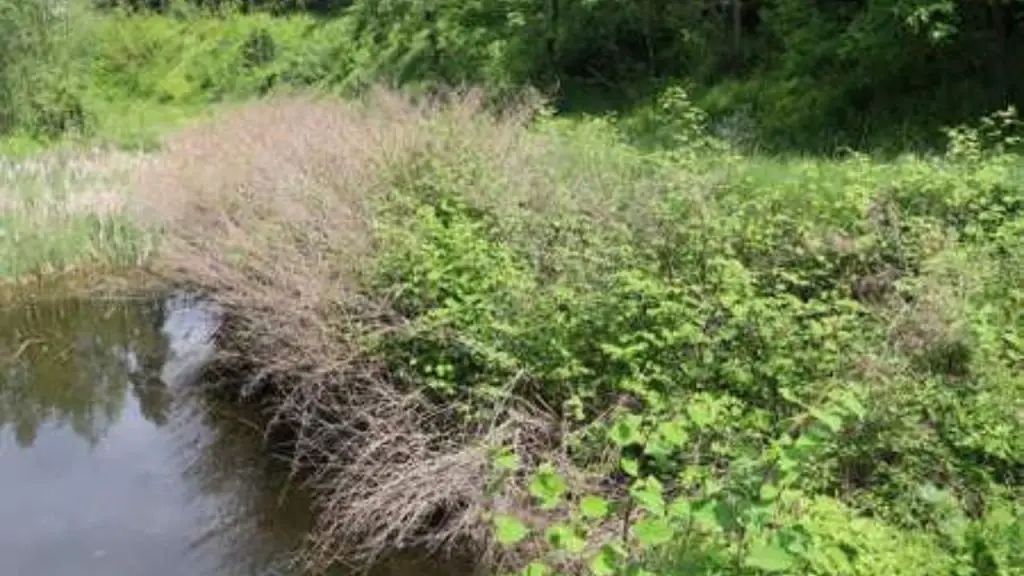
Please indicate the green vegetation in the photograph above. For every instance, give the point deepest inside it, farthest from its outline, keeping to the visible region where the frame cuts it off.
(786, 75)
(66, 210)
(617, 343)
(821, 375)
(621, 361)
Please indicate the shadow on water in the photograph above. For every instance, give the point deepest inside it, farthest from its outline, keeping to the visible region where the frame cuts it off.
(111, 464)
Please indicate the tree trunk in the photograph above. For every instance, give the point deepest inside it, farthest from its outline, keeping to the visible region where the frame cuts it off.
(737, 28)
(551, 42)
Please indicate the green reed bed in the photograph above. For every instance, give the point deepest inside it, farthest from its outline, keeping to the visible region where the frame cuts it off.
(66, 210)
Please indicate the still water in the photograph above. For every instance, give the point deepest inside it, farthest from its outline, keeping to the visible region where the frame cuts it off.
(111, 464)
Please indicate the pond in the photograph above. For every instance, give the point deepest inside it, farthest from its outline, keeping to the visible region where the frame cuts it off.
(112, 464)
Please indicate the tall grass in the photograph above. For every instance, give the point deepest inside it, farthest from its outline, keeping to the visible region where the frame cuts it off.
(66, 210)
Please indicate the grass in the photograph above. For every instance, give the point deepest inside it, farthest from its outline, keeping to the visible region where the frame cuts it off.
(66, 206)
(65, 210)
(140, 124)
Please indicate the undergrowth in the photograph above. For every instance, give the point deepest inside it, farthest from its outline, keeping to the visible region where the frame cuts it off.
(537, 343)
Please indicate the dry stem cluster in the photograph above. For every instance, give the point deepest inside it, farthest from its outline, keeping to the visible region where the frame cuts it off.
(271, 211)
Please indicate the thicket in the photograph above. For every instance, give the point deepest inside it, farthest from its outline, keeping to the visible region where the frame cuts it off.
(784, 74)
(40, 68)
(617, 362)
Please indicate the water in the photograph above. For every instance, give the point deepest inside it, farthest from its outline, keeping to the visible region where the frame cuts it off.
(111, 464)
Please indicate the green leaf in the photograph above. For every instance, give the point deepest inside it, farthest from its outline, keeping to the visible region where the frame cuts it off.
(700, 415)
(712, 486)
(562, 537)
(833, 558)
(832, 421)
(653, 532)
(806, 442)
(769, 492)
(788, 395)
(605, 562)
(658, 449)
(854, 406)
(769, 558)
(790, 497)
(548, 486)
(648, 494)
(706, 516)
(679, 508)
(536, 569)
(626, 431)
(673, 433)
(506, 460)
(630, 466)
(509, 530)
(594, 507)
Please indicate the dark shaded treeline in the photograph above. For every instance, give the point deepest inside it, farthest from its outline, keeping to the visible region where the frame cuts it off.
(810, 74)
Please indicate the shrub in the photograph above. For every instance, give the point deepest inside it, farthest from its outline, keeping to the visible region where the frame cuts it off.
(202, 58)
(693, 362)
(43, 67)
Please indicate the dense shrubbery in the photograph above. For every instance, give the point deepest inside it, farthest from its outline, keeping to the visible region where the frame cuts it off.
(624, 362)
(786, 74)
(831, 346)
(64, 71)
(41, 68)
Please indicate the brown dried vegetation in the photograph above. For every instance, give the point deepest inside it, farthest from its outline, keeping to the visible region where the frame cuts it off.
(928, 325)
(271, 211)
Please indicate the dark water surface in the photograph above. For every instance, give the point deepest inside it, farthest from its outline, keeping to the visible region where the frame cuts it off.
(111, 464)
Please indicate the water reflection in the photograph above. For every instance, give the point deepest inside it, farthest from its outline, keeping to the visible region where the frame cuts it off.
(110, 471)
(250, 516)
(70, 364)
(112, 464)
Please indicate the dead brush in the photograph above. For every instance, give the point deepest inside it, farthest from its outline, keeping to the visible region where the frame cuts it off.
(272, 212)
(395, 471)
(929, 324)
